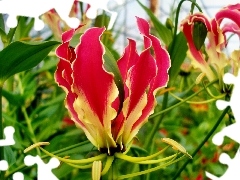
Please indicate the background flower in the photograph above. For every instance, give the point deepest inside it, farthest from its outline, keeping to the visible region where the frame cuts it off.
(212, 58)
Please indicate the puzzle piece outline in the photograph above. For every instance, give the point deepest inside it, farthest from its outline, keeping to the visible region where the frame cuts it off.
(8, 133)
(229, 131)
(36, 8)
(43, 170)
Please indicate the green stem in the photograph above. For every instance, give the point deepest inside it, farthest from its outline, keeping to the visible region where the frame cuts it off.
(127, 176)
(1, 133)
(113, 172)
(29, 125)
(192, 6)
(156, 123)
(203, 142)
(30, 128)
(181, 102)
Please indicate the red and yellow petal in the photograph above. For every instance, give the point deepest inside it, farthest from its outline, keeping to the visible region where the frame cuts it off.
(138, 82)
(63, 73)
(143, 80)
(95, 88)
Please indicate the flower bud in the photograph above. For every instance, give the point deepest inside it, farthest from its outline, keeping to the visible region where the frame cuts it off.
(199, 34)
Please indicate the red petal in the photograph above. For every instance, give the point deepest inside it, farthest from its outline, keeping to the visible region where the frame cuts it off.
(161, 78)
(128, 59)
(90, 78)
(64, 71)
(161, 55)
(232, 14)
(140, 77)
(149, 74)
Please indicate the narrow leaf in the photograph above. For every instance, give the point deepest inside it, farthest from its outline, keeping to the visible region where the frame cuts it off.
(178, 54)
(14, 99)
(20, 56)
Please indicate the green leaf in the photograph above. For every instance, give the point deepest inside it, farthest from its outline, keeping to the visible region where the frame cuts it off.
(2, 26)
(3, 35)
(178, 54)
(164, 33)
(102, 20)
(10, 35)
(9, 155)
(19, 56)
(14, 99)
(111, 66)
(75, 39)
(24, 27)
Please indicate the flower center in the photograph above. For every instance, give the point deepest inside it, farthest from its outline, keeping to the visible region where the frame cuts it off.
(112, 150)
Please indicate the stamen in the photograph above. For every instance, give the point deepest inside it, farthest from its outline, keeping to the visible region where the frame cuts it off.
(175, 145)
(35, 145)
(96, 170)
(80, 161)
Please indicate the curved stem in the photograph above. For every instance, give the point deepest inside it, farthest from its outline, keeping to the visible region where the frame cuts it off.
(138, 159)
(203, 142)
(192, 6)
(198, 102)
(1, 133)
(9, 173)
(150, 170)
(181, 102)
(81, 161)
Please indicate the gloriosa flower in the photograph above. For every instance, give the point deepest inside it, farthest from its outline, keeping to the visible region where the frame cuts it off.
(213, 60)
(110, 116)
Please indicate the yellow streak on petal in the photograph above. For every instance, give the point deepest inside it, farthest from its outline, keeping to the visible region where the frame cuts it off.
(99, 135)
(128, 134)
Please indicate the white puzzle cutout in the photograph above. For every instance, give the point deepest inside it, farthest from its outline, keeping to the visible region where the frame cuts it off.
(35, 8)
(95, 5)
(233, 167)
(18, 176)
(44, 171)
(8, 133)
(231, 131)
